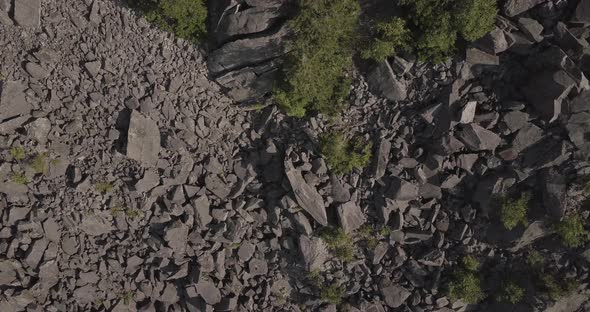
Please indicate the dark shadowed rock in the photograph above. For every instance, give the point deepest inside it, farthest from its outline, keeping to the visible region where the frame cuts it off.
(306, 195)
(351, 216)
(531, 28)
(401, 190)
(494, 42)
(578, 127)
(582, 13)
(554, 193)
(383, 82)
(27, 13)
(208, 291)
(249, 21)
(546, 92)
(533, 232)
(143, 139)
(250, 83)
(479, 57)
(516, 7)
(393, 295)
(477, 138)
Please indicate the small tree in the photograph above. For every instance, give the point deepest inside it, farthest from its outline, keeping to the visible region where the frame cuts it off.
(475, 18)
(344, 155)
(514, 212)
(339, 242)
(511, 292)
(572, 231)
(389, 37)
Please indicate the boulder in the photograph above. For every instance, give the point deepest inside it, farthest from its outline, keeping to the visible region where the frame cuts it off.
(306, 195)
(143, 139)
(516, 7)
(12, 100)
(401, 190)
(554, 193)
(250, 83)
(249, 21)
(314, 252)
(582, 13)
(546, 92)
(531, 28)
(27, 13)
(383, 82)
(351, 216)
(393, 295)
(477, 138)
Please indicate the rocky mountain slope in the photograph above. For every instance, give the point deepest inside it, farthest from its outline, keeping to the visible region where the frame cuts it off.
(131, 180)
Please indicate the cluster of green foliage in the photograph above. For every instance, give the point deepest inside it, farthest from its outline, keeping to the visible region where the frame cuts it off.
(103, 187)
(367, 233)
(438, 23)
(339, 242)
(344, 155)
(314, 74)
(19, 178)
(18, 153)
(514, 212)
(388, 38)
(535, 260)
(465, 283)
(511, 292)
(185, 18)
(40, 163)
(572, 231)
(332, 294)
(556, 289)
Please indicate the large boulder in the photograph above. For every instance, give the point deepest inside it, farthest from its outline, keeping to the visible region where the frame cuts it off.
(516, 7)
(383, 82)
(546, 92)
(143, 139)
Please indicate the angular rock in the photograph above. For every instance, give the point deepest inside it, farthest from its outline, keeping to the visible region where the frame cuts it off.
(393, 295)
(207, 290)
(468, 112)
(515, 120)
(494, 42)
(401, 190)
(516, 7)
(52, 230)
(383, 82)
(202, 210)
(477, 138)
(546, 92)
(217, 186)
(36, 71)
(95, 225)
(314, 252)
(35, 253)
(578, 127)
(531, 28)
(582, 13)
(246, 251)
(479, 57)
(27, 13)
(257, 267)
(250, 83)
(143, 139)
(176, 235)
(93, 68)
(554, 193)
(249, 21)
(533, 232)
(307, 196)
(382, 158)
(351, 216)
(12, 100)
(150, 179)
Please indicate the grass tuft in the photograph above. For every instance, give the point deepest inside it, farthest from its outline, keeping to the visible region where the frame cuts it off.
(343, 155)
(339, 242)
(572, 231)
(514, 212)
(18, 153)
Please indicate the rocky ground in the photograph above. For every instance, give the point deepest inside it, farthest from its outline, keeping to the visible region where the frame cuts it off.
(149, 189)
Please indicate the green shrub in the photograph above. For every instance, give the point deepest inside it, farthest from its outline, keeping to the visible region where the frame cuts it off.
(475, 18)
(514, 212)
(511, 292)
(339, 242)
(18, 153)
(571, 229)
(104, 187)
(367, 233)
(466, 286)
(19, 178)
(556, 289)
(332, 294)
(314, 73)
(40, 164)
(389, 37)
(535, 260)
(470, 263)
(185, 18)
(344, 155)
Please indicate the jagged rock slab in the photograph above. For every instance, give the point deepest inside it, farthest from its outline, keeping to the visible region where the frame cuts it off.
(143, 139)
(578, 127)
(208, 291)
(250, 83)
(393, 295)
(12, 100)
(546, 92)
(582, 13)
(383, 82)
(477, 138)
(307, 196)
(249, 21)
(27, 13)
(382, 158)
(554, 193)
(403, 190)
(95, 225)
(516, 7)
(351, 216)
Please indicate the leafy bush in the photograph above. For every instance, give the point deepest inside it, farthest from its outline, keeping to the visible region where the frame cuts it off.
(514, 211)
(571, 229)
(535, 260)
(389, 37)
(556, 289)
(344, 155)
(185, 18)
(332, 294)
(18, 153)
(339, 242)
(470, 263)
(475, 18)
(314, 73)
(511, 292)
(466, 286)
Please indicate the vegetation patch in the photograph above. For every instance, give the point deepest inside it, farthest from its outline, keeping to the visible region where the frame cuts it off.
(511, 292)
(339, 242)
(40, 164)
(19, 178)
(18, 153)
(185, 18)
(572, 231)
(315, 70)
(555, 289)
(388, 38)
(514, 212)
(332, 294)
(344, 155)
(103, 187)
(470, 263)
(535, 260)
(465, 283)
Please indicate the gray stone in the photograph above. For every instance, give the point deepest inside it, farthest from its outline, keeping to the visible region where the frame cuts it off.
(202, 210)
(516, 7)
(52, 230)
(143, 139)
(582, 13)
(494, 42)
(207, 290)
(428, 191)
(531, 28)
(314, 252)
(351, 217)
(515, 120)
(249, 21)
(578, 127)
(307, 196)
(246, 251)
(477, 138)
(169, 294)
(85, 294)
(4, 18)
(250, 83)
(27, 13)
(176, 235)
(9, 126)
(8, 271)
(94, 16)
(95, 225)
(383, 82)
(12, 100)
(546, 92)
(382, 158)
(257, 267)
(150, 179)
(401, 190)
(93, 68)
(554, 193)
(379, 252)
(217, 186)
(435, 258)
(533, 232)
(478, 57)
(468, 112)
(35, 253)
(36, 71)
(40, 129)
(393, 295)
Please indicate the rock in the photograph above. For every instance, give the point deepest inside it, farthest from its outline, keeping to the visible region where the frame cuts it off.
(85, 294)
(4, 18)
(382, 158)
(36, 71)
(8, 272)
(468, 112)
(217, 186)
(27, 13)
(428, 191)
(246, 52)
(401, 190)
(143, 139)
(52, 230)
(16, 193)
(150, 179)
(379, 252)
(531, 28)
(383, 82)
(515, 120)
(93, 68)
(351, 217)
(12, 100)
(314, 252)
(202, 210)
(494, 42)
(249, 21)
(35, 253)
(257, 267)
(546, 92)
(436, 257)
(582, 13)
(207, 290)
(95, 225)
(40, 129)
(516, 7)
(479, 57)
(529, 135)
(554, 193)
(307, 196)
(393, 295)
(94, 16)
(250, 83)
(534, 231)
(246, 251)
(477, 138)
(578, 127)
(176, 235)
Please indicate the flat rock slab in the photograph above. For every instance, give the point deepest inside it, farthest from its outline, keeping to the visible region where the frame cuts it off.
(546, 92)
(351, 216)
(516, 7)
(12, 100)
(95, 225)
(477, 138)
(143, 139)
(307, 196)
(383, 82)
(27, 13)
